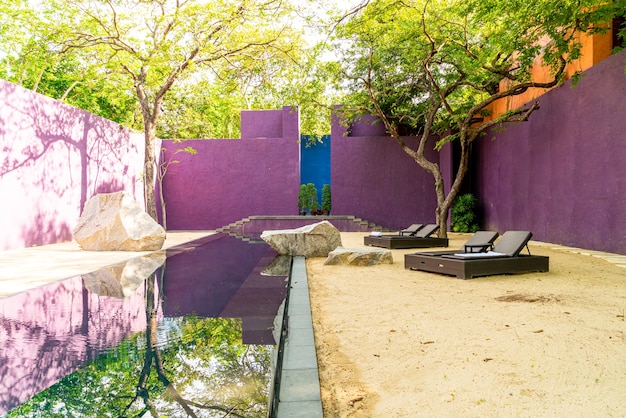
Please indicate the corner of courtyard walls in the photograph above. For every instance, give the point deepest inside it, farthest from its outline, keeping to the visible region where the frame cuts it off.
(259, 174)
(374, 179)
(561, 175)
(55, 157)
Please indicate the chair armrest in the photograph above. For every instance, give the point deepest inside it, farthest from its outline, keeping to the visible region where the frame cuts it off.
(480, 247)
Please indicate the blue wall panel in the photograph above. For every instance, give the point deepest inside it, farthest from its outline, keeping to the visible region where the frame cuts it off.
(315, 163)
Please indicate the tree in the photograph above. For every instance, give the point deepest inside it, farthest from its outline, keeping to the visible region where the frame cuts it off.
(306, 84)
(434, 67)
(327, 202)
(203, 109)
(206, 105)
(30, 57)
(156, 44)
(164, 165)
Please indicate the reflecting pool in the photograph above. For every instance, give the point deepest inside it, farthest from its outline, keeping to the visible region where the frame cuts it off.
(189, 331)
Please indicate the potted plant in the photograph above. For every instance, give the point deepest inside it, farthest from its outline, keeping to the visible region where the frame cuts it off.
(303, 201)
(313, 203)
(326, 201)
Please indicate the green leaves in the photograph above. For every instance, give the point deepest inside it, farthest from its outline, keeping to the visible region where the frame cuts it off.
(446, 58)
(202, 357)
(464, 217)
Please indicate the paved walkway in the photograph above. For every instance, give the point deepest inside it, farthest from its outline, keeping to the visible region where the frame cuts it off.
(32, 267)
(617, 259)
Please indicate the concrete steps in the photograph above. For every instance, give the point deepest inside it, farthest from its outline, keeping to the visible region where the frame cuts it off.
(250, 228)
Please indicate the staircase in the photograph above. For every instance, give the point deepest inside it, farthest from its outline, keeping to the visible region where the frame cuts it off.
(250, 228)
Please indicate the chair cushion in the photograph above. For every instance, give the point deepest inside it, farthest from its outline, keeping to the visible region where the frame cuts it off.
(512, 242)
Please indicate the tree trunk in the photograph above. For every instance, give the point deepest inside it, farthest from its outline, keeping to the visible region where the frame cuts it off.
(149, 170)
(444, 206)
(162, 201)
(441, 213)
(150, 114)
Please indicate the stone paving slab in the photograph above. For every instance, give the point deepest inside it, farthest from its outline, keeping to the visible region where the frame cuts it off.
(617, 259)
(300, 409)
(300, 393)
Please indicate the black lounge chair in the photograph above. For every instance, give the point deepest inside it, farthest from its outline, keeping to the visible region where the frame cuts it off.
(420, 239)
(411, 230)
(505, 258)
(481, 241)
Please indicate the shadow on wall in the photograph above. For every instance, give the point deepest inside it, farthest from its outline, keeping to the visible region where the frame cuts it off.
(55, 157)
(44, 229)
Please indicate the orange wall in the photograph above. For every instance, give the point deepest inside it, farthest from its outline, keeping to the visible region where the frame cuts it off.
(595, 48)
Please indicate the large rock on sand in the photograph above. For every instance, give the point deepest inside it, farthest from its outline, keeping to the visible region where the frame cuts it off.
(116, 222)
(315, 240)
(359, 257)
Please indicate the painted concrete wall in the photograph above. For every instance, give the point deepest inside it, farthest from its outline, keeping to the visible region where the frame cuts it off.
(374, 179)
(315, 163)
(594, 48)
(230, 179)
(562, 174)
(54, 157)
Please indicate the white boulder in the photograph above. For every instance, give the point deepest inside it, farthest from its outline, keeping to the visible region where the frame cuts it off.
(359, 257)
(315, 240)
(116, 222)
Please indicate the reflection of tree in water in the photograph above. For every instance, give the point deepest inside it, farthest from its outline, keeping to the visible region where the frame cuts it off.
(188, 366)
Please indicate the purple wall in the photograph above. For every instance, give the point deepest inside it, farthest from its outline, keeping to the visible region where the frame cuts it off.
(284, 123)
(230, 179)
(562, 175)
(374, 179)
(54, 157)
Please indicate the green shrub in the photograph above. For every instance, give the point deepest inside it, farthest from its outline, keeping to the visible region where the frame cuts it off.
(302, 199)
(464, 218)
(312, 197)
(326, 201)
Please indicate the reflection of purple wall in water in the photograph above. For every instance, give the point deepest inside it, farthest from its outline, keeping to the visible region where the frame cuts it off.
(51, 331)
(257, 301)
(211, 281)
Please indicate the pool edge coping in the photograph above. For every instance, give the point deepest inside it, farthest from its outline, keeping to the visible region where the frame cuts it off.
(299, 392)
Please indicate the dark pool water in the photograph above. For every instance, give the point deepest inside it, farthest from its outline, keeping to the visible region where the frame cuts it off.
(185, 332)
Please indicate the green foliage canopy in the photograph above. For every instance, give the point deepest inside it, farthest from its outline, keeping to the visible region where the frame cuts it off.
(76, 53)
(448, 56)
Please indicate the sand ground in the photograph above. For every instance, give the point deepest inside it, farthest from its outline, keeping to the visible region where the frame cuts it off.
(399, 343)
